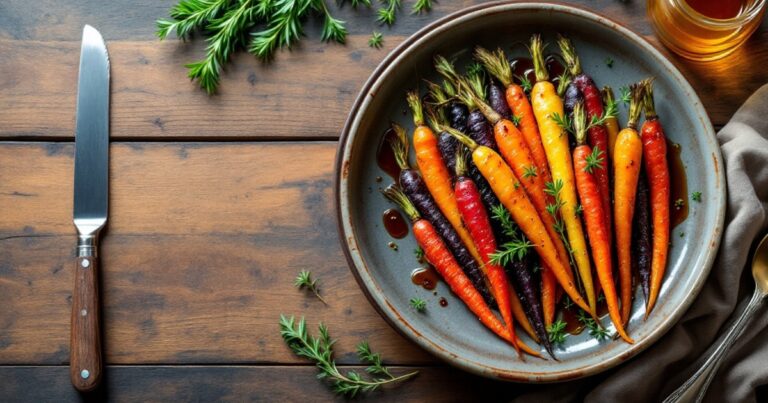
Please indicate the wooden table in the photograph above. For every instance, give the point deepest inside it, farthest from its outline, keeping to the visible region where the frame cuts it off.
(216, 204)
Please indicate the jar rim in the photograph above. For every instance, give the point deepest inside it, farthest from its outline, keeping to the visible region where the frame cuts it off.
(754, 10)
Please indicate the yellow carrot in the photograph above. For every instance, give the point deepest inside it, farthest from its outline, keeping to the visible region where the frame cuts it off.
(547, 106)
(611, 122)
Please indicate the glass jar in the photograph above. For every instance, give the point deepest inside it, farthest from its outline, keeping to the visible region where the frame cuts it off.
(696, 36)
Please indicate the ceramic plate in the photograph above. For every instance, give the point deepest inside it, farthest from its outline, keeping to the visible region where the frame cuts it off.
(452, 332)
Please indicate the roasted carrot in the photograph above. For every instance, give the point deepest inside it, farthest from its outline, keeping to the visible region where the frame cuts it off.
(435, 174)
(513, 197)
(657, 170)
(627, 160)
(522, 282)
(641, 235)
(598, 135)
(586, 161)
(548, 107)
(445, 142)
(476, 219)
(440, 257)
(611, 122)
(413, 186)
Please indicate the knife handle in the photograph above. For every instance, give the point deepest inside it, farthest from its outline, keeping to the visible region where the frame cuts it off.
(85, 364)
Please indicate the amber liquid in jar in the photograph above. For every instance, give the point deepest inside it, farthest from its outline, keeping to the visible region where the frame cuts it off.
(705, 29)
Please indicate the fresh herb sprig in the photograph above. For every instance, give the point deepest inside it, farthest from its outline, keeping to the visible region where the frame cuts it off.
(517, 245)
(388, 13)
(696, 196)
(305, 280)
(418, 304)
(554, 189)
(376, 40)
(320, 350)
(596, 330)
(421, 6)
(625, 95)
(556, 331)
(594, 160)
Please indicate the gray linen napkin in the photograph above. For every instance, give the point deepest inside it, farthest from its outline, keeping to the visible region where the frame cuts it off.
(655, 373)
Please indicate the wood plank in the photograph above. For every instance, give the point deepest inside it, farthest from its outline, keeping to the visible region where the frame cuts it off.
(203, 243)
(304, 94)
(235, 383)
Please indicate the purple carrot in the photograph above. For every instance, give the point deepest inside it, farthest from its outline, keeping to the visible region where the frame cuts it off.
(497, 98)
(641, 234)
(448, 146)
(414, 187)
(519, 273)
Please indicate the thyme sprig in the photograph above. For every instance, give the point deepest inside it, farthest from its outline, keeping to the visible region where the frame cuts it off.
(305, 280)
(320, 350)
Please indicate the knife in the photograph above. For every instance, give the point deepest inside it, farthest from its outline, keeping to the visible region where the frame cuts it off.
(90, 207)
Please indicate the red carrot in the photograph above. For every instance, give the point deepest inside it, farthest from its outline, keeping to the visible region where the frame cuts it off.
(475, 218)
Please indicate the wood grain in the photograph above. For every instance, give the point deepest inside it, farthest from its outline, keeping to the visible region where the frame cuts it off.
(85, 326)
(198, 258)
(304, 94)
(246, 383)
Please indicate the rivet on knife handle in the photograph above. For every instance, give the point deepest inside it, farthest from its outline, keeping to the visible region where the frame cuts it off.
(85, 341)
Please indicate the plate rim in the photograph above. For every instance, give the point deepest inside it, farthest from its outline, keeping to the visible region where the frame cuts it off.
(356, 263)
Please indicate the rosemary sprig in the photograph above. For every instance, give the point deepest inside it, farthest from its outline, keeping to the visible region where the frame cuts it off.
(418, 304)
(388, 13)
(596, 330)
(517, 245)
(228, 23)
(376, 40)
(554, 189)
(556, 331)
(511, 251)
(305, 280)
(421, 6)
(594, 160)
(320, 350)
(525, 83)
(625, 95)
(564, 121)
(529, 172)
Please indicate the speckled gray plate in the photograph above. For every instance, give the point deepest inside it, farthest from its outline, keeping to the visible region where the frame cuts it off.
(453, 333)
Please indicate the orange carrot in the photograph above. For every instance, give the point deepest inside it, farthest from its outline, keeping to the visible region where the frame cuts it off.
(513, 197)
(655, 156)
(627, 160)
(436, 175)
(585, 165)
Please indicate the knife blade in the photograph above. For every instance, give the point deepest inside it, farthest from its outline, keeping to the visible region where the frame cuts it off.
(91, 189)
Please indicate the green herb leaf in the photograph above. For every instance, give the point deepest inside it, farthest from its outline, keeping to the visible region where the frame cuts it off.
(418, 304)
(421, 6)
(594, 160)
(529, 172)
(419, 253)
(388, 13)
(625, 95)
(609, 62)
(556, 332)
(525, 83)
(305, 280)
(515, 120)
(696, 196)
(510, 252)
(376, 40)
(564, 122)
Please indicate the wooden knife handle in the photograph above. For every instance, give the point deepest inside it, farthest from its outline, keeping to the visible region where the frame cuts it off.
(85, 364)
